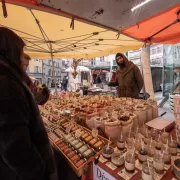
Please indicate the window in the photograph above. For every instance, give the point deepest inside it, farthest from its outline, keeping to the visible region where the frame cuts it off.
(49, 62)
(102, 59)
(153, 51)
(159, 49)
(36, 60)
(36, 69)
(157, 60)
(49, 72)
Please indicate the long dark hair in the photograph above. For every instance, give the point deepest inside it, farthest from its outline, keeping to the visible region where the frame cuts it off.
(11, 47)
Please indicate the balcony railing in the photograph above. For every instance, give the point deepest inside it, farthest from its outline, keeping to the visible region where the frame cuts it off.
(35, 74)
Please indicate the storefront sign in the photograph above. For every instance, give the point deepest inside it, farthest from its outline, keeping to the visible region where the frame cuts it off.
(100, 174)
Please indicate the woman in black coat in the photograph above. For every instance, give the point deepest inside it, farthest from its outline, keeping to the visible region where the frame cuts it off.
(25, 152)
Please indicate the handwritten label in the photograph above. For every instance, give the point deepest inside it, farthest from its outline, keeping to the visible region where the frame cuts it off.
(125, 175)
(166, 166)
(111, 166)
(102, 159)
(150, 159)
(159, 176)
(138, 165)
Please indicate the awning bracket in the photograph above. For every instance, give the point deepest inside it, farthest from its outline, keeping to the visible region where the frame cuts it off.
(4, 9)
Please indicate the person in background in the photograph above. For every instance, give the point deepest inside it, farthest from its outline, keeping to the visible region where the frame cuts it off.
(25, 151)
(128, 78)
(65, 83)
(98, 79)
(40, 92)
(34, 87)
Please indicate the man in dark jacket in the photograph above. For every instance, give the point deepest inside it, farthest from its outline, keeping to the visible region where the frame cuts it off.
(128, 78)
(25, 151)
(98, 79)
(65, 83)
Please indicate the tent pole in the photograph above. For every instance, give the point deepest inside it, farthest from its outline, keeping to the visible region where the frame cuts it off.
(49, 45)
(53, 72)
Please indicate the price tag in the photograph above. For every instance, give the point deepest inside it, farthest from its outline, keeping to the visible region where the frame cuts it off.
(138, 165)
(111, 166)
(150, 159)
(159, 176)
(166, 166)
(102, 159)
(125, 175)
(174, 157)
(78, 133)
(68, 129)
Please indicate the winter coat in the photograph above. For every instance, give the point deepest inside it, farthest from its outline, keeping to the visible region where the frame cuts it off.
(128, 80)
(25, 151)
(65, 82)
(98, 80)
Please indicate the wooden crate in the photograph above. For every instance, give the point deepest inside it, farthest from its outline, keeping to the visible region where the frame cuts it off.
(79, 171)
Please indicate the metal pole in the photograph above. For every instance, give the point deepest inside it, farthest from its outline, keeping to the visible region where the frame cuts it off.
(146, 69)
(54, 73)
(42, 73)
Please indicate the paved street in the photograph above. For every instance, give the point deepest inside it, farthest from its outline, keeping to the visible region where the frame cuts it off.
(166, 108)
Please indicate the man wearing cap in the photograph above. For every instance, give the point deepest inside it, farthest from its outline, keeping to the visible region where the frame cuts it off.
(128, 78)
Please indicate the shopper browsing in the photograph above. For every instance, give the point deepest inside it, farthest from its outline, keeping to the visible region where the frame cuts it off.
(25, 151)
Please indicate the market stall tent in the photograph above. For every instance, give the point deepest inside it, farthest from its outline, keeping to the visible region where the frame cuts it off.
(114, 14)
(74, 83)
(45, 33)
(79, 69)
(162, 28)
